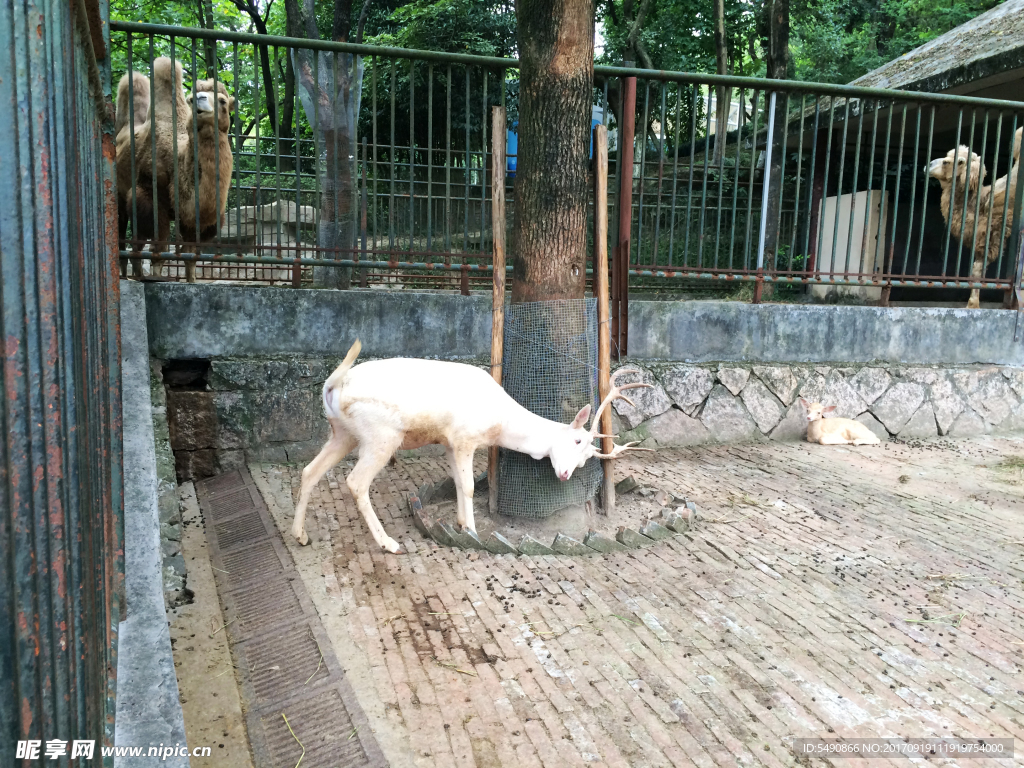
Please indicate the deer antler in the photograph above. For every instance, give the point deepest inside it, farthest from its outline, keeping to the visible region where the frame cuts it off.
(615, 393)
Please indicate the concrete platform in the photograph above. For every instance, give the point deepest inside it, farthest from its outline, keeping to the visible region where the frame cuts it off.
(827, 592)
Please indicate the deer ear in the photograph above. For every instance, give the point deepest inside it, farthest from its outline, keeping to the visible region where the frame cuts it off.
(829, 409)
(804, 403)
(581, 417)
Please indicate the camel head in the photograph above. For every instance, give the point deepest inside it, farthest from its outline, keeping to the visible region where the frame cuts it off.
(210, 105)
(942, 168)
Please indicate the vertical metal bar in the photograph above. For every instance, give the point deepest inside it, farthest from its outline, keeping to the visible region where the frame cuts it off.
(448, 172)
(675, 173)
(977, 199)
(952, 188)
(297, 152)
(799, 175)
(782, 185)
(483, 165)
(498, 279)
(689, 183)
(465, 203)
(723, 132)
(871, 180)
(736, 183)
(966, 195)
(853, 188)
(750, 186)
(412, 153)
(766, 181)
(880, 237)
(1013, 138)
(704, 183)
(812, 212)
(238, 149)
(995, 175)
(661, 175)
(601, 291)
(152, 134)
(376, 165)
(643, 175)
(924, 193)
(620, 316)
(430, 156)
(391, 161)
(258, 200)
(839, 186)
(131, 140)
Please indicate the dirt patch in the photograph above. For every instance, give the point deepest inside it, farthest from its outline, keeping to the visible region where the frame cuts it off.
(206, 678)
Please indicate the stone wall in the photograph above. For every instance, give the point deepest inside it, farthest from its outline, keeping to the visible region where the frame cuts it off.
(726, 402)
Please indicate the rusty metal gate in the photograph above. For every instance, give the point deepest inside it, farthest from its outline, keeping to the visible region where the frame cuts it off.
(61, 507)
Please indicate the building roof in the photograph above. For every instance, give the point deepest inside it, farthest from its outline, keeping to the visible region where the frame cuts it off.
(984, 57)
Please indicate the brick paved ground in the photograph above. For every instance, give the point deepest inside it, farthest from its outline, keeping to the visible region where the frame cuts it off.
(816, 598)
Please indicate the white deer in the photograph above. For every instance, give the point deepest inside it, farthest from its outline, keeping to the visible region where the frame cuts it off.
(384, 405)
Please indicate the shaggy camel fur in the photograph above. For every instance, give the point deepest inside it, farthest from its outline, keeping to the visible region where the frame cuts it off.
(202, 124)
(149, 192)
(137, 91)
(973, 202)
(212, 111)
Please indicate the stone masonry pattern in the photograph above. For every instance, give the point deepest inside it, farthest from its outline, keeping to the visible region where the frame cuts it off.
(735, 403)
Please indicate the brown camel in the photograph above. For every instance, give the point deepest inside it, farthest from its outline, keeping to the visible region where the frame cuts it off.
(212, 111)
(150, 192)
(977, 210)
(201, 133)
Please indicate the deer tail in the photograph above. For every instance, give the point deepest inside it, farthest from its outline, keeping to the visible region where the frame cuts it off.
(337, 379)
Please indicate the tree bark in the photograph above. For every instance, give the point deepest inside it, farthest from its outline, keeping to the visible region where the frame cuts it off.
(556, 45)
(723, 95)
(205, 8)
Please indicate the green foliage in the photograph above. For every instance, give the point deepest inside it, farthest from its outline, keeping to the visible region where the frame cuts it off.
(480, 27)
(838, 41)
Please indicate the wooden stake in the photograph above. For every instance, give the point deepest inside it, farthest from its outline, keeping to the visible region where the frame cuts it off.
(498, 293)
(604, 337)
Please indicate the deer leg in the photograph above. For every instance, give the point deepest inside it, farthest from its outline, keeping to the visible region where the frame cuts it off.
(334, 450)
(371, 461)
(461, 460)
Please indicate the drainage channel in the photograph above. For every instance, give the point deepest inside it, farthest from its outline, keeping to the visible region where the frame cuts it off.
(284, 658)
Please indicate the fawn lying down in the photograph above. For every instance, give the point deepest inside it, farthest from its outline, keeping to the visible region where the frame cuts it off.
(834, 431)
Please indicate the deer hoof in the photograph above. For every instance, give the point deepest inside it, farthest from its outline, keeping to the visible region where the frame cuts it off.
(302, 538)
(392, 546)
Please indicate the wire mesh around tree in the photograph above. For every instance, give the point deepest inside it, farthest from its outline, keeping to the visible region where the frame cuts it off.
(549, 367)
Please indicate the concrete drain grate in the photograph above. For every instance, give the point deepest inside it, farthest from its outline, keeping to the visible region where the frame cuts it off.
(284, 658)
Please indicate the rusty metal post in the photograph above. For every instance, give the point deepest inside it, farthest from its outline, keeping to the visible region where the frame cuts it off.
(604, 341)
(620, 306)
(498, 286)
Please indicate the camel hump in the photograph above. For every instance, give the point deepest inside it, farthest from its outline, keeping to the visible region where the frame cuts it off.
(132, 101)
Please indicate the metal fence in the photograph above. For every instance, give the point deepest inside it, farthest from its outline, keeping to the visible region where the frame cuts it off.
(61, 589)
(810, 184)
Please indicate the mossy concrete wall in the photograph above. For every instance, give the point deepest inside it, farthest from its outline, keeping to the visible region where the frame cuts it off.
(723, 371)
(218, 321)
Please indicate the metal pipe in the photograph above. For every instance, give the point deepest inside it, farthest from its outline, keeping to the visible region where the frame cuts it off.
(766, 184)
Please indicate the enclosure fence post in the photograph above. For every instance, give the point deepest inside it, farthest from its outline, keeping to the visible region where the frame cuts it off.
(604, 339)
(498, 285)
(620, 312)
(765, 195)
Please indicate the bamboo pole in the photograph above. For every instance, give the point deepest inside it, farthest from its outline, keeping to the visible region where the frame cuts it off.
(498, 290)
(604, 337)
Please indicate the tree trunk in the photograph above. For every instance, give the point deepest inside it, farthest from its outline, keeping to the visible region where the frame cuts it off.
(205, 8)
(777, 61)
(556, 45)
(723, 95)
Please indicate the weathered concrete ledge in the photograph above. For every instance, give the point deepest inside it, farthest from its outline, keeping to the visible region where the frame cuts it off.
(148, 709)
(208, 321)
(728, 331)
(211, 321)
